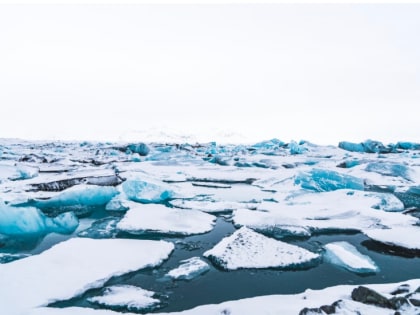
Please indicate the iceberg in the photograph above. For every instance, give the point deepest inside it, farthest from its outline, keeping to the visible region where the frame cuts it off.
(296, 148)
(210, 206)
(248, 249)
(146, 192)
(345, 255)
(17, 172)
(30, 221)
(410, 197)
(127, 296)
(59, 274)
(79, 196)
(189, 269)
(326, 180)
(159, 219)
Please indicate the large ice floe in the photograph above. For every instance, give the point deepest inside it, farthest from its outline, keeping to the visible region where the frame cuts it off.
(156, 218)
(89, 228)
(72, 267)
(248, 249)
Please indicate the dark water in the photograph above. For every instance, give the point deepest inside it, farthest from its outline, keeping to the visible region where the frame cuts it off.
(217, 285)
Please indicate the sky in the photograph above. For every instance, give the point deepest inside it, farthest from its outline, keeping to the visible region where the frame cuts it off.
(242, 72)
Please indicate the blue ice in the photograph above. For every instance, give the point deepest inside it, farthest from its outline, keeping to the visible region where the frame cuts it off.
(145, 192)
(389, 169)
(326, 180)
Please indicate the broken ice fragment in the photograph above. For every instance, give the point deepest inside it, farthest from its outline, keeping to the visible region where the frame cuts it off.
(130, 297)
(345, 255)
(17, 172)
(248, 249)
(326, 180)
(145, 192)
(159, 219)
(189, 269)
(103, 228)
(390, 169)
(26, 221)
(79, 196)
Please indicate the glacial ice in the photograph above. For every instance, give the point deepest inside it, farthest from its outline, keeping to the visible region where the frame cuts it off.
(327, 180)
(159, 219)
(141, 148)
(102, 228)
(368, 146)
(210, 206)
(390, 169)
(410, 196)
(130, 297)
(27, 221)
(248, 249)
(297, 148)
(79, 196)
(70, 268)
(17, 172)
(146, 192)
(189, 269)
(345, 255)
(402, 236)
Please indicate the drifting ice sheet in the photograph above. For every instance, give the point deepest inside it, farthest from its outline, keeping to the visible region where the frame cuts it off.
(156, 218)
(189, 269)
(345, 255)
(128, 296)
(72, 267)
(402, 236)
(248, 249)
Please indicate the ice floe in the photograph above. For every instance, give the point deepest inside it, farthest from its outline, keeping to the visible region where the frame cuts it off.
(345, 255)
(248, 249)
(402, 236)
(189, 269)
(156, 218)
(146, 192)
(72, 267)
(126, 296)
(211, 206)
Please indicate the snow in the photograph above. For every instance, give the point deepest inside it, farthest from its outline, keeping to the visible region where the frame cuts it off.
(248, 249)
(189, 269)
(402, 236)
(30, 221)
(156, 218)
(290, 304)
(128, 296)
(345, 255)
(70, 268)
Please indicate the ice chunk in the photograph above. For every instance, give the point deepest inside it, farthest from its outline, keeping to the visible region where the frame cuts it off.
(189, 269)
(345, 255)
(17, 172)
(410, 197)
(368, 146)
(405, 145)
(70, 268)
(118, 203)
(79, 196)
(103, 228)
(130, 297)
(296, 148)
(326, 180)
(140, 148)
(146, 192)
(390, 169)
(401, 236)
(156, 218)
(26, 221)
(210, 206)
(248, 249)
(6, 258)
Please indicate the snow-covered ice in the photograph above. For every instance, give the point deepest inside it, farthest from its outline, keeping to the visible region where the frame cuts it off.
(130, 297)
(146, 192)
(345, 255)
(189, 269)
(72, 267)
(157, 218)
(402, 236)
(248, 249)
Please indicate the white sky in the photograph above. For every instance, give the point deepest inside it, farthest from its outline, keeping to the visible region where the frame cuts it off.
(323, 73)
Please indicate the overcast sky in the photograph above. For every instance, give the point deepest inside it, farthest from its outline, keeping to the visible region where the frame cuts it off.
(323, 73)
